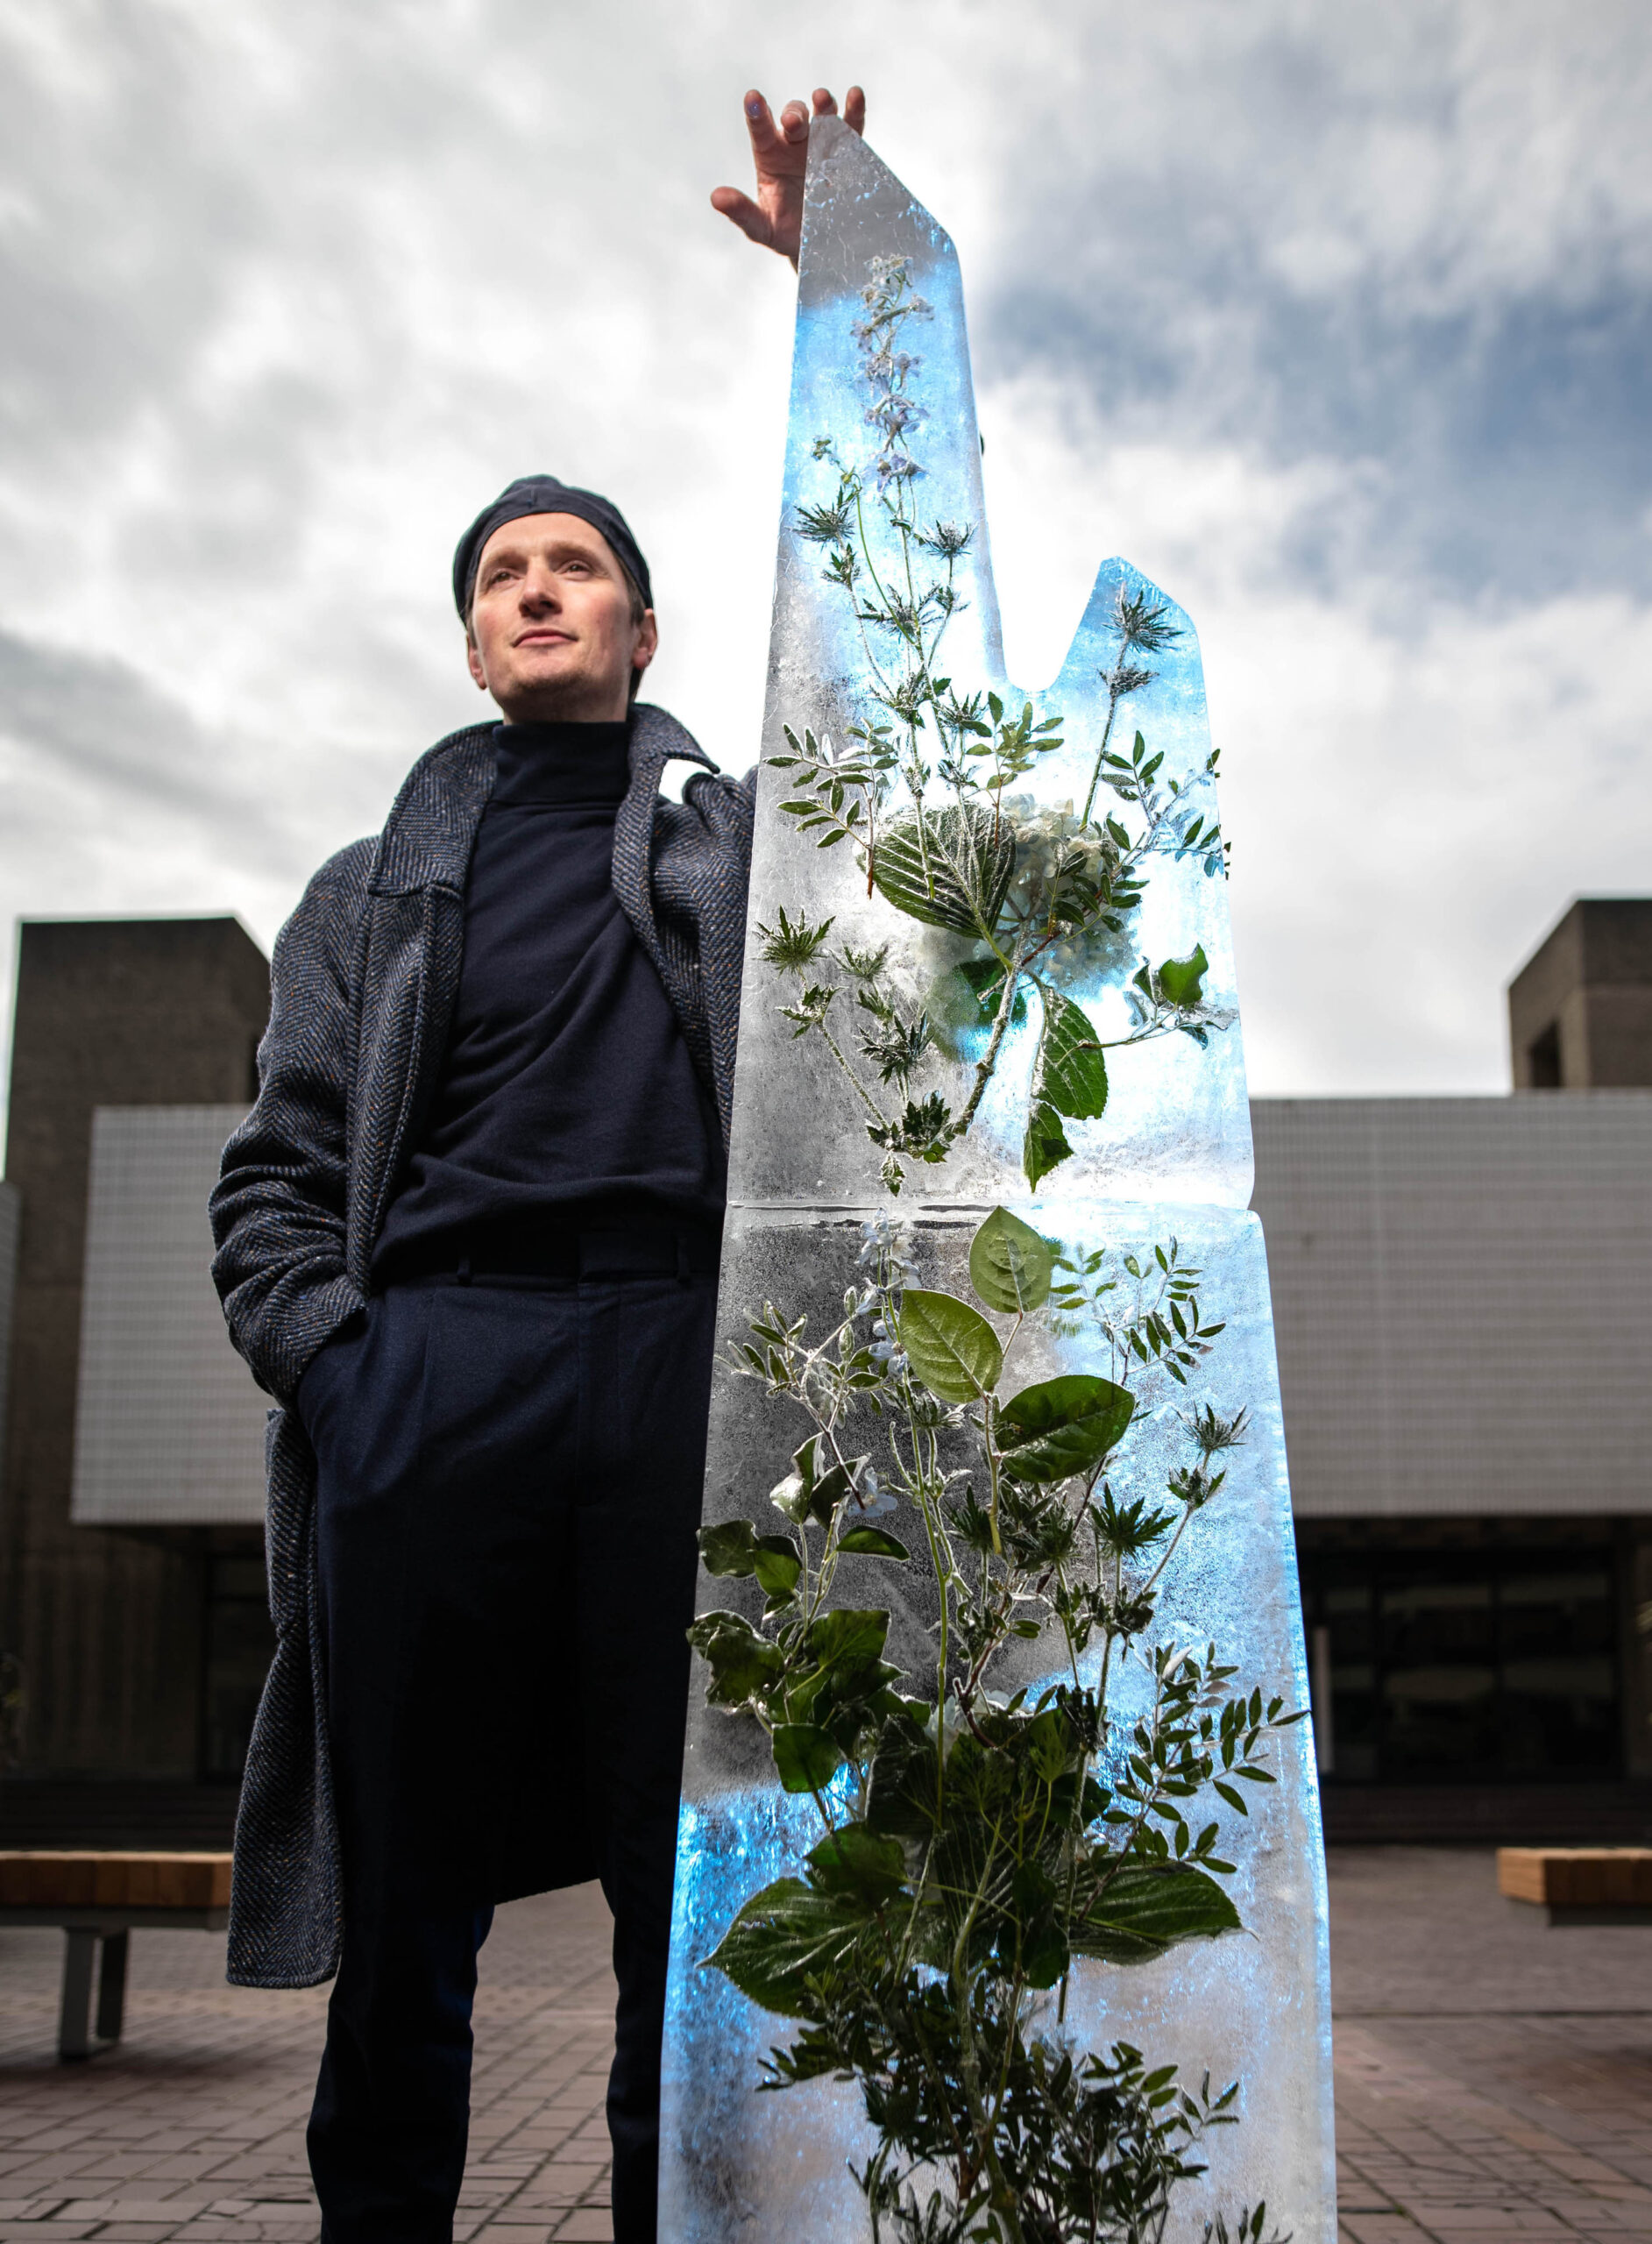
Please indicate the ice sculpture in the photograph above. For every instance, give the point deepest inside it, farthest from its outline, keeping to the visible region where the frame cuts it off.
(995, 1811)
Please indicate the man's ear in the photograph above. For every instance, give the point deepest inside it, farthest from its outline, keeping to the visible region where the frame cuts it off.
(474, 656)
(647, 643)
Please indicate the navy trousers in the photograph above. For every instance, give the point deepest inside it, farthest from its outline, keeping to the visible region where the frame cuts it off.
(508, 1492)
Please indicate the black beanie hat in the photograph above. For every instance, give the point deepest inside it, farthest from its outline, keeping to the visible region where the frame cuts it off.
(544, 494)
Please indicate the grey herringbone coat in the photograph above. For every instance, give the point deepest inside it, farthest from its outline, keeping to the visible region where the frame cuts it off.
(365, 976)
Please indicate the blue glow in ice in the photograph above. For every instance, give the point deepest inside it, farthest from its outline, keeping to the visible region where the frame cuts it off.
(1170, 1154)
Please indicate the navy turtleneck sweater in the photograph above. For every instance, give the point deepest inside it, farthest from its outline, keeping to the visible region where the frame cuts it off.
(568, 1097)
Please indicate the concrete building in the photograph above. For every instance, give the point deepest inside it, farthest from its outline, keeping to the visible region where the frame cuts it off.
(117, 1612)
(1462, 1301)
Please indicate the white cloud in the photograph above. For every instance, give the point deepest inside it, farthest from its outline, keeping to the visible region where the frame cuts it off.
(289, 291)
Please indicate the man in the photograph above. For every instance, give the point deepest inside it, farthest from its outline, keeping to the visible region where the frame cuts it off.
(468, 1239)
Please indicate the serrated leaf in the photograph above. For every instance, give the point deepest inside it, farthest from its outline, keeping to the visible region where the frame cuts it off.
(1145, 1911)
(955, 873)
(1045, 1145)
(783, 1937)
(1070, 1073)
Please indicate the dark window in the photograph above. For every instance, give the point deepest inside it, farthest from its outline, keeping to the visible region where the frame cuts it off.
(238, 1643)
(1542, 1055)
(1489, 1664)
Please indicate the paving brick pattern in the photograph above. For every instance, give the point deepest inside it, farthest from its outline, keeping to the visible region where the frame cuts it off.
(1494, 2078)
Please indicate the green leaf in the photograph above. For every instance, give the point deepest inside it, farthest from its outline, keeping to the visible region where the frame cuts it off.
(805, 1758)
(852, 1636)
(815, 1485)
(729, 1549)
(855, 1861)
(955, 872)
(777, 1564)
(873, 1543)
(953, 1348)
(783, 1937)
(1045, 1145)
(1147, 1910)
(1181, 980)
(984, 978)
(743, 1664)
(901, 1800)
(1009, 1265)
(1071, 1070)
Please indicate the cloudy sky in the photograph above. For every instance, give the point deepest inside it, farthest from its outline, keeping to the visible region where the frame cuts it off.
(1336, 321)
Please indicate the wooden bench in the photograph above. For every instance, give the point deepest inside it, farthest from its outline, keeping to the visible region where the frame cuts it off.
(97, 1899)
(1580, 1885)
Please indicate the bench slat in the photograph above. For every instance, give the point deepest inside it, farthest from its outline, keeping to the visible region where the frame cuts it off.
(1576, 1878)
(88, 1879)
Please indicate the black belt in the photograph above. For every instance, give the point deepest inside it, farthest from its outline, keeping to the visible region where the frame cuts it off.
(542, 1254)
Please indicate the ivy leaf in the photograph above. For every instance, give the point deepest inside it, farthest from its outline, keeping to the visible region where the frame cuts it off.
(743, 1664)
(1045, 1145)
(873, 1543)
(729, 1549)
(1144, 1911)
(953, 1348)
(952, 872)
(1181, 980)
(777, 1564)
(1062, 1426)
(805, 1758)
(1009, 1265)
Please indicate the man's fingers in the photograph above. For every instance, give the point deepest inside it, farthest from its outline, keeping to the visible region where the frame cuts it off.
(825, 102)
(759, 124)
(794, 122)
(745, 214)
(855, 108)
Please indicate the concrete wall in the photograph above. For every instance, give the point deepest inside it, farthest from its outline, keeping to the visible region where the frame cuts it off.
(107, 1627)
(1580, 1009)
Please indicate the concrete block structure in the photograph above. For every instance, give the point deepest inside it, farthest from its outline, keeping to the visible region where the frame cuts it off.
(111, 1627)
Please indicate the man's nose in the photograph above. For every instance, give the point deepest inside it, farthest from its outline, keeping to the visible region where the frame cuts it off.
(539, 589)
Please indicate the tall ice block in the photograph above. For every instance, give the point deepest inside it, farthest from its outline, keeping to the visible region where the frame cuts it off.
(1097, 1093)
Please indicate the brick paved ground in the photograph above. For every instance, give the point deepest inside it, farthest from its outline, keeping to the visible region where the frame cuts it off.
(1494, 2078)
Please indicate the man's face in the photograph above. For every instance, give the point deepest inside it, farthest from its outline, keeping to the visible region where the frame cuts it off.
(551, 634)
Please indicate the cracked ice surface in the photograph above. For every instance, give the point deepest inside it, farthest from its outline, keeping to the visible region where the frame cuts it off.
(1170, 1154)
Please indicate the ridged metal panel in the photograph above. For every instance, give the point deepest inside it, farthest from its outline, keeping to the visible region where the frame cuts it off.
(1462, 1301)
(168, 1426)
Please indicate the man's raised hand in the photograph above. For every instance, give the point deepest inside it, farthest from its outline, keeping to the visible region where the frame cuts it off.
(780, 150)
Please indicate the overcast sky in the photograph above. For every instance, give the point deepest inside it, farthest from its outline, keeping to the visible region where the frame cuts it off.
(1337, 322)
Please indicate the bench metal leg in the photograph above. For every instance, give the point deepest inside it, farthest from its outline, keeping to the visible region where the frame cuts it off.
(111, 1986)
(74, 2014)
(75, 2037)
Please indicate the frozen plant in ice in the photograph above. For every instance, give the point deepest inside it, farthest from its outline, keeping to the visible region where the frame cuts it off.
(922, 791)
(973, 1845)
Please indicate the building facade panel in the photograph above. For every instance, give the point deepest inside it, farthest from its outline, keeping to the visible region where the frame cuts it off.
(1462, 1301)
(169, 1426)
